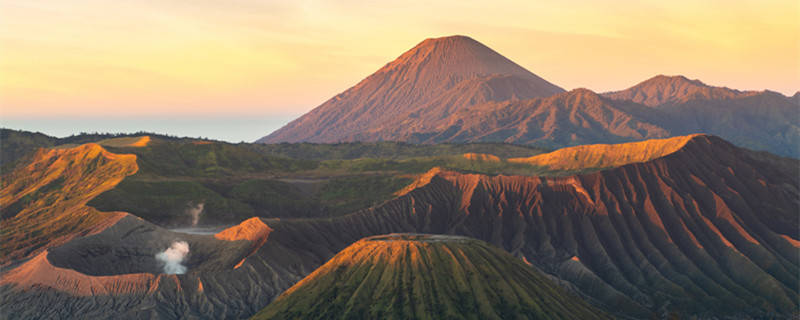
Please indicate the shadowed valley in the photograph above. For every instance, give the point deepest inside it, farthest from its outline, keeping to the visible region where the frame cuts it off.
(703, 228)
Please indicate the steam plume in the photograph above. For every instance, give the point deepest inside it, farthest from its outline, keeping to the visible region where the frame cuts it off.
(195, 212)
(173, 256)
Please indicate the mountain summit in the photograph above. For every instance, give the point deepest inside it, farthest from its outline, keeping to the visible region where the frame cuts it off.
(664, 90)
(434, 79)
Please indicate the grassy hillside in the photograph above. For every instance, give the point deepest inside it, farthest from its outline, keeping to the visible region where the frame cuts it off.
(388, 150)
(16, 144)
(402, 276)
(226, 183)
(43, 204)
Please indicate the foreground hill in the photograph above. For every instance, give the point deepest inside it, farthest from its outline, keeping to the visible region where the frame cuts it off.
(412, 276)
(708, 229)
(432, 80)
(701, 229)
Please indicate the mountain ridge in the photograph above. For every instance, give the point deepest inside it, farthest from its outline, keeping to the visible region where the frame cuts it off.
(710, 230)
(404, 85)
(664, 91)
(454, 89)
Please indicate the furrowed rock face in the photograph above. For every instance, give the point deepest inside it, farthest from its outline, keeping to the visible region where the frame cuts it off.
(706, 230)
(43, 204)
(115, 274)
(433, 79)
(64, 259)
(709, 229)
(413, 276)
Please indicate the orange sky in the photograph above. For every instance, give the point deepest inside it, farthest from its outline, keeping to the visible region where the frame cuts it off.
(207, 57)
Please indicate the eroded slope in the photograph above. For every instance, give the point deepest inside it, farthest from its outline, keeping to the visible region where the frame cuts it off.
(43, 204)
(411, 276)
(709, 230)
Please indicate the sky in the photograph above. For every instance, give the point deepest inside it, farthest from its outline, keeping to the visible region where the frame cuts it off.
(236, 70)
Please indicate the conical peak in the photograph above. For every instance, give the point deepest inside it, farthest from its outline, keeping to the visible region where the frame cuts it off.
(419, 78)
(457, 56)
(452, 41)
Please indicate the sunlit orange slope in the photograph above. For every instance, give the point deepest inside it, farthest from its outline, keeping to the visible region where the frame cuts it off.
(606, 155)
(44, 203)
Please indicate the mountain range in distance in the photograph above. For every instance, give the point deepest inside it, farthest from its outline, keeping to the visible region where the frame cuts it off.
(455, 89)
(468, 188)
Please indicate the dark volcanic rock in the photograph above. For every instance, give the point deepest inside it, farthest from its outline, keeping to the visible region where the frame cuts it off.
(709, 230)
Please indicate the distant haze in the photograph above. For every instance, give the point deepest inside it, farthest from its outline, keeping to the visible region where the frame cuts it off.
(168, 59)
(228, 128)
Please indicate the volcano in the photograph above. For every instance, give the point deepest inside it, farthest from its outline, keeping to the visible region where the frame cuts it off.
(455, 89)
(414, 276)
(688, 225)
(432, 80)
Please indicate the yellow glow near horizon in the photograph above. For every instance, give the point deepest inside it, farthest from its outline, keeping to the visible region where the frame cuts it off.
(96, 57)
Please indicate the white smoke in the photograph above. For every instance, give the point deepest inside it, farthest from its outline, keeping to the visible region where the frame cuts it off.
(173, 256)
(195, 212)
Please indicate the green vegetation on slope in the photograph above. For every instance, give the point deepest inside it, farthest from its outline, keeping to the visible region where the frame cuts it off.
(426, 277)
(424, 164)
(16, 144)
(388, 150)
(228, 183)
(233, 183)
(43, 204)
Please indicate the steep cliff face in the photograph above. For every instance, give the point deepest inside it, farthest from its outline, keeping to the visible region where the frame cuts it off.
(117, 274)
(413, 276)
(709, 230)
